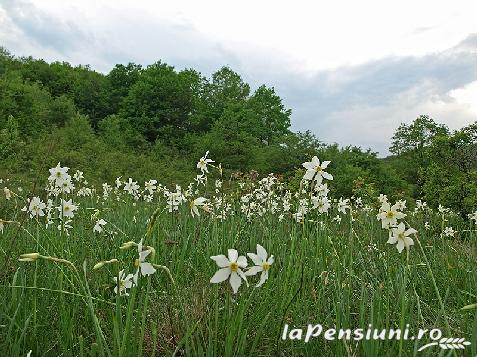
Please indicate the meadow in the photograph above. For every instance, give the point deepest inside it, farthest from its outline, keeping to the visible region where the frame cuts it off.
(128, 269)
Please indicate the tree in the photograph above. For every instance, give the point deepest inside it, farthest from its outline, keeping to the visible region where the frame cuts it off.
(159, 103)
(416, 136)
(273, 119)
(121, 78)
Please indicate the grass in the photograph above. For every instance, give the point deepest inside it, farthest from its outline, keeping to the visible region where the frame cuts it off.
(340, 275)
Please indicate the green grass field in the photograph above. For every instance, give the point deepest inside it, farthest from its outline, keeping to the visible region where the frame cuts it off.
(340, 274)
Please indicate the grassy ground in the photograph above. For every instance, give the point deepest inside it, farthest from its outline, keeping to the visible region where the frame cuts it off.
(339, 275)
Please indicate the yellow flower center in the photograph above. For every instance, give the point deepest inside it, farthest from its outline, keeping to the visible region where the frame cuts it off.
(390, 214)
(401, 236)
(265, 266)
(318, 168)
(121, 284)
(233, 266)
(136, 263)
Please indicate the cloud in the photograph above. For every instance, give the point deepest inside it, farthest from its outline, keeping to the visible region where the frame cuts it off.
(360, 104)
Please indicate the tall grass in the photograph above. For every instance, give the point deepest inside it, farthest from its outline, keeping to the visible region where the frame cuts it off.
(341, 275)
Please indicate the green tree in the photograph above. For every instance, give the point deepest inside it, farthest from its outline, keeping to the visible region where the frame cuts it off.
(273, 119)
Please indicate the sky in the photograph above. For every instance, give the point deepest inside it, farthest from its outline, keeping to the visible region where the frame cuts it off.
(350, 71)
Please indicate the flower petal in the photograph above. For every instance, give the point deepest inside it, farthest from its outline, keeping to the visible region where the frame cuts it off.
(221, 260)
(233, 255)
(147, 269)
(220, 275)
(262, 253)
(263, 278)
(255, 258)
(253, 270)
(242, 261)
(235, 282)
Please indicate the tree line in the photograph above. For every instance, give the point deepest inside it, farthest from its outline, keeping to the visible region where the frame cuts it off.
(156, 121)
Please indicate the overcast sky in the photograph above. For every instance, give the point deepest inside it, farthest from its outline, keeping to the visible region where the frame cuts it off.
(351, 71)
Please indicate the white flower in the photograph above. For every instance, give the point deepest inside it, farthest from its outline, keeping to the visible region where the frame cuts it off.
(98, 227)
(123, 282)
(389, 215)
(131, 187)
(78, 176)
(321, 203)
(230, 267)
(262, 264)
(67, 208)
(343, 205)
(203, 162)
(141, 265)
(401, 205)
(8, 193)
(118, 182)
(473, 216)
(449, 232)
(1, 226)
(337, 218)
(427, 225)
(400, 236)
(200, 201)
(382, 198)
(36, 207)
(59, 174)
(316, 171)
(150, 186)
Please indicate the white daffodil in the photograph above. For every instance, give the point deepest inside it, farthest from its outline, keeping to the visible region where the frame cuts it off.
(427, 226)
(200, 201)
(131, 187)
(315, 170)
(7, 192)
(118, 182)
(230, 267)
(141, 265)
(262, 264)
(400, 236)
(124, 282)
(473, 216)
(67, 208)
(36, 207)
(343, 205)
(150, 186)
(203, 162)
(322, 204)
(389, 215)
(98, 227)
(78, 176)
(58, 175)
(382, 198)
(449, 232)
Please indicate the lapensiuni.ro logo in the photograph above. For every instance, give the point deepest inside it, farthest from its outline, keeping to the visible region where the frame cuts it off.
(433, 337)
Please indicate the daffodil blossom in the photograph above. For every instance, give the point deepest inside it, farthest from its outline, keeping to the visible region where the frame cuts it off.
(67, 208)
(36, 207)
(203, 162)
(315, 170)
(200, 201)
(98, 227)
(123, 282)
(389, 215)
(400, 236)
(230, 267)
(262, 264)
(141, 265)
